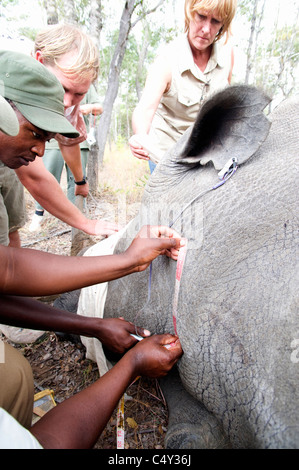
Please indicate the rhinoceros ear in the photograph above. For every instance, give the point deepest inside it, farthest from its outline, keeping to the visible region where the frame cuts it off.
(230, 124)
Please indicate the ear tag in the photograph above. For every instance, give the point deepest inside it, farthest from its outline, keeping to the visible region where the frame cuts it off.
(230, 165)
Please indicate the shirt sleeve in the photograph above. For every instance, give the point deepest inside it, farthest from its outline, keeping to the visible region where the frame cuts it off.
(15, 436)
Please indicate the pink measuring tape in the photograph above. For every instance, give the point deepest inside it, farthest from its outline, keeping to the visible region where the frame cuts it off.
(178, 276)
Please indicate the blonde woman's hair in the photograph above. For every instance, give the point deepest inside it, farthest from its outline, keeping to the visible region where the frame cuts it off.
(58, 40)
(225, 9)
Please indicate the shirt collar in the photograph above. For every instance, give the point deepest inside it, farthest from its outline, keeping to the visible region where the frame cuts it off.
(186, 59)
(185, 55)
(217, 57)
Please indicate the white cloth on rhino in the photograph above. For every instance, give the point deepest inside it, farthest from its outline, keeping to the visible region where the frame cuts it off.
(92, 302)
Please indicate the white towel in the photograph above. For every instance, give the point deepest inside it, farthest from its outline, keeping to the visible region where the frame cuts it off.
(92, 302)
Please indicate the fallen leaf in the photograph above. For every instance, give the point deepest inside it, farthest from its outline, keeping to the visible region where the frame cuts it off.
(132, 423)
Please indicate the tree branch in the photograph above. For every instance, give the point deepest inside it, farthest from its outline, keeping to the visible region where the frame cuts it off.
(145, 13)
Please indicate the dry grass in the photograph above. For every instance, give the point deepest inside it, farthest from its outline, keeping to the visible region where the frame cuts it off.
(121, 184)
(123, 174)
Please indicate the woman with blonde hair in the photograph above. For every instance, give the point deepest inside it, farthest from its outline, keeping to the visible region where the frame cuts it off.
(191, 68)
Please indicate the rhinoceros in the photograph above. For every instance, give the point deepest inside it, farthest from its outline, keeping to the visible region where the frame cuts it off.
(230, 186)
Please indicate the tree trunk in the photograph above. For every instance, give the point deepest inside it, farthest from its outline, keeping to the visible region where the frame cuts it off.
(95, 29)
(93, 168)
(113, 79)
(95, 21)
(51, 10)
(142, 57)
(250, 43)
(70, 13)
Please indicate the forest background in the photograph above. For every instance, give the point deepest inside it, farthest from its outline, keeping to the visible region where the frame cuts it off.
(130, 33)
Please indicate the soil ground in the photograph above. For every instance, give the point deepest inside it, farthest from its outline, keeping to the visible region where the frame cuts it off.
(61, 365)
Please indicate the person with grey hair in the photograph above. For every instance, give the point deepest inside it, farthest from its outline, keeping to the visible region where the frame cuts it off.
(71, 55)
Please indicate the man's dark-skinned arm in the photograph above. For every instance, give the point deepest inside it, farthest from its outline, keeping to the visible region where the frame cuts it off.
(78, 422)
(114, 333)
(32, 273)
(26, 272)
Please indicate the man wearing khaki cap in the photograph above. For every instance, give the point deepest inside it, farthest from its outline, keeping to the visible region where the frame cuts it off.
(29, 272)
(9, 123)
(38, 100)
(20, 142)
(38, 97)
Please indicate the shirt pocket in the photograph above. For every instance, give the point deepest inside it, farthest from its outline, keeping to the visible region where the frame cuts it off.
(189, 98)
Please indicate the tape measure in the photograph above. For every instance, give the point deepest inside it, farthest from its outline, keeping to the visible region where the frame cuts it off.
(121, 424)
(120, 421)
(179, 272)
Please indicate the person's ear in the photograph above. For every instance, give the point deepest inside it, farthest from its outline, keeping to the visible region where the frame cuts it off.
(38, 56)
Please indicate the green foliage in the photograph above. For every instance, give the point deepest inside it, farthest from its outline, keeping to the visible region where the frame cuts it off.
(274, 60)
(5, 3)
(286, 44)
(277, 62)
(29, 33)
(142, 181)
(245, 8)
(80, 10)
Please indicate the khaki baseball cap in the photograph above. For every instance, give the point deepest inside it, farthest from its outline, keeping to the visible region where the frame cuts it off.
(35, 91)
(9, 123)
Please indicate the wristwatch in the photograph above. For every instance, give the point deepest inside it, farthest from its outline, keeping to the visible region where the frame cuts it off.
(83, 181)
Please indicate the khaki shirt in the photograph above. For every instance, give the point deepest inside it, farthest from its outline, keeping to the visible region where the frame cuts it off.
(190, 86)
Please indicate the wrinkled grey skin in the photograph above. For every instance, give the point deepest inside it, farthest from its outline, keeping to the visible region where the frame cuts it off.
(238, 300)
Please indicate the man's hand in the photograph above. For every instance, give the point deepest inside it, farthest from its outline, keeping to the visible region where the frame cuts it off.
(155, 356)
(100, 227)
(94, 109)
(152, 241)
(115, 334)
